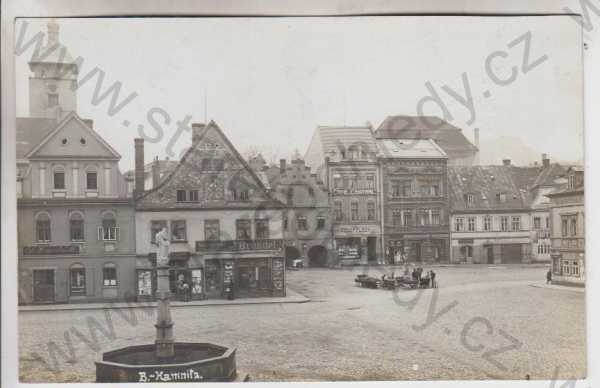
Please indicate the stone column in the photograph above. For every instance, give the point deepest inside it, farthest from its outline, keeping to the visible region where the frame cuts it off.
(164, 324)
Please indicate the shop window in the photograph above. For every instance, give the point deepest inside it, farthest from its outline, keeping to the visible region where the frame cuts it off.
(145, 283)
(212, 230)
(91, 178)
(178, 230)
(320, 222)
(301, 223)
(109, 275)
(155, 227)
(261, 227)
(43, 227)
(197, 282)
(76, 227)
(77, 279)
(243, 229)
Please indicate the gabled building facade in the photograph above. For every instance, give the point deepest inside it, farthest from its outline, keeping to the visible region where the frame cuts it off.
(307, 218)
(75, 208)
(346, 160)
(567, 220)
(415, 200)
(225, 227)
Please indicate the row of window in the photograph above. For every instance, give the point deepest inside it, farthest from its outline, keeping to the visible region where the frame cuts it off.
(354, 182)
(468, 224)
(107, 232)
(91, 179)
(212, 229)
(77, 278)
(355, 215)
(416, 217)
(192, 195)
(302, 223)
(407, 188)
(470, 198)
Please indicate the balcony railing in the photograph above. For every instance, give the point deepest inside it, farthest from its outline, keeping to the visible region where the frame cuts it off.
(239, 245)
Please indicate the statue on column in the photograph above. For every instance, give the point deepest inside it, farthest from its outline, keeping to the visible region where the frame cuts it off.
(162, 254)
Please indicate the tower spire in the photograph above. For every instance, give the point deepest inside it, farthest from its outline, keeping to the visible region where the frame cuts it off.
(53, 29)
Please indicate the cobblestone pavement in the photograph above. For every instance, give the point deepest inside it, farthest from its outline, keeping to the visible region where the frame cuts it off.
(483, 322)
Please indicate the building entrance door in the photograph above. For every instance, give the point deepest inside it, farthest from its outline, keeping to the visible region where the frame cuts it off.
(43, 285)
(490, 254)
(372, 248)
(253, 278)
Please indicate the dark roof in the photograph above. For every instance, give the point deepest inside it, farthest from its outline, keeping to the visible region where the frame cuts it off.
(447, 136)
(547, 176)
(485, 183)
(30, 132)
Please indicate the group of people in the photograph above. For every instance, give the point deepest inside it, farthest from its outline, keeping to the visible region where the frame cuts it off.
(427, 279)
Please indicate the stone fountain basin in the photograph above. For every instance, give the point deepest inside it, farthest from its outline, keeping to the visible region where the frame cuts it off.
(193, 362)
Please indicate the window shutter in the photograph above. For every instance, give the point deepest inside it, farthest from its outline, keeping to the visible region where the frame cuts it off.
(99, 233)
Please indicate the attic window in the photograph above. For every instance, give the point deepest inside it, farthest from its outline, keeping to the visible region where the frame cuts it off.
(64, 141)
(469, 199)
(82, 141)
(501, 197)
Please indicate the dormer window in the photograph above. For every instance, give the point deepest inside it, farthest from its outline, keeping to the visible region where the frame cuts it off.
(470, 199)
(501, 197)
(571, 182)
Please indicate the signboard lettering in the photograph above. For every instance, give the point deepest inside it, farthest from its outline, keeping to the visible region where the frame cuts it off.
(166, 376)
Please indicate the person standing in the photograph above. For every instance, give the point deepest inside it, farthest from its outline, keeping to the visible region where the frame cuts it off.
(549, 277)
(432, 275)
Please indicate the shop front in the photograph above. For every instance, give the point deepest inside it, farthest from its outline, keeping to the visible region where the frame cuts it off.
(357, 244)
(417, 248)
(211, 276)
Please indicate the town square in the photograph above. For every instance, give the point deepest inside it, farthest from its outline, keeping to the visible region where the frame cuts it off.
(323, 243)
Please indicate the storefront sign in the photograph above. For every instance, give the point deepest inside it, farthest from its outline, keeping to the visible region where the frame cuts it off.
(169, 376)
(357, 229)
(466, 241)
(354, 191)
(277, 274)
(51, 250)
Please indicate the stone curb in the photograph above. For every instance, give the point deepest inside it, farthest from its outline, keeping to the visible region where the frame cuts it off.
(292, 297)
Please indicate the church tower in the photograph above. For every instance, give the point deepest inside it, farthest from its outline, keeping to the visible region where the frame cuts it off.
(53, 82)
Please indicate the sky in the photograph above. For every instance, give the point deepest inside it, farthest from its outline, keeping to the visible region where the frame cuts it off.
(269, 82)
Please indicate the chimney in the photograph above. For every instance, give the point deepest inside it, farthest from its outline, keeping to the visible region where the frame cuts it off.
(139, 166)
(155, 172)
(196, 131)
(282, 166)
(545, 160)
(506, 162)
